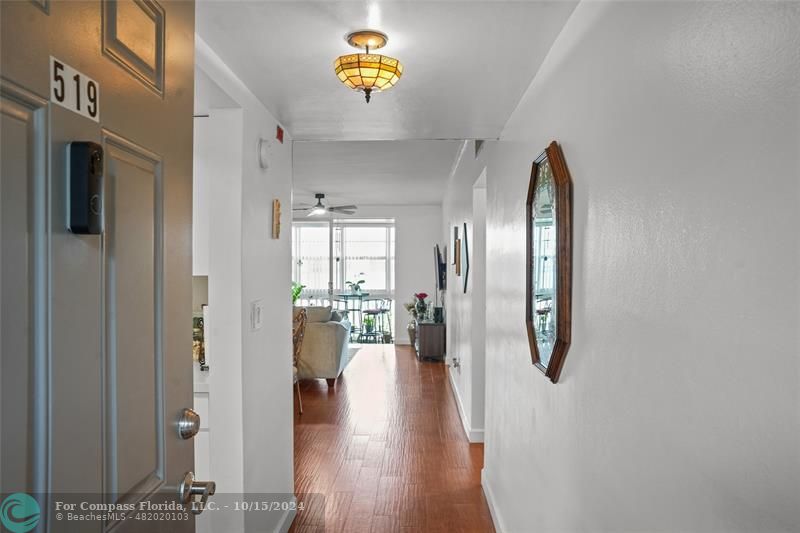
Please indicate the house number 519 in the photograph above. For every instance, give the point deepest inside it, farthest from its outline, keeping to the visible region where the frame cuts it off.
(74, 90)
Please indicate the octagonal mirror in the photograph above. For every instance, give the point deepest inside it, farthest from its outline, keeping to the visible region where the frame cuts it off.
(549, 261)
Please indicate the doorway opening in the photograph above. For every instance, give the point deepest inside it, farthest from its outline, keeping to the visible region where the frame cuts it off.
(217, 323)
(349, 265)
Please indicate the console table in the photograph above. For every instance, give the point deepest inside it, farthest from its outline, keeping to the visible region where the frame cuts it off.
(430, 342)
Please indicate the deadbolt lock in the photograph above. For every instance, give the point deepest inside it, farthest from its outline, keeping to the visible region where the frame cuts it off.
(188, 424)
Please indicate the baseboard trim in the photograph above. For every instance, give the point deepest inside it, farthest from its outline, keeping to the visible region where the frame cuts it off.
(492, 502)
(288, 517)
(473, 435)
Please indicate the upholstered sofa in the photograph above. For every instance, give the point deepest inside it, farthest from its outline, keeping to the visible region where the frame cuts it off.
(324, 354)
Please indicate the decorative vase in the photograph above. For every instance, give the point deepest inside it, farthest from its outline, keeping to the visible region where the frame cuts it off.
(421, 308)
(412, 333)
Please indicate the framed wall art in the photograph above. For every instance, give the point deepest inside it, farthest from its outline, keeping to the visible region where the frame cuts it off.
(465, 258)
(455, 241)
(276, 219)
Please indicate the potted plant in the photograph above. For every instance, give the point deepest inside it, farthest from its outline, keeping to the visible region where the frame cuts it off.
(355, 286)
(416, 309)
(297, 290)
(369, 324)
(412, 325)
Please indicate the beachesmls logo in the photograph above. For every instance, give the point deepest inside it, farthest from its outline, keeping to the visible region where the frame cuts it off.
(19, 513)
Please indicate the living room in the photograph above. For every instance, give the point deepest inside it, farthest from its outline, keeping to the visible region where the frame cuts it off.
(367, 264)
(393, 192)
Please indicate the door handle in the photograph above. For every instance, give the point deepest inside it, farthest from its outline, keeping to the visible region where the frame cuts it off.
(189, 490)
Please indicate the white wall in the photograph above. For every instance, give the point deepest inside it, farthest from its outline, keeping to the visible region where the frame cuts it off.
(218, 176)
(477, 289)
(416, 233)
(266, 374)
(466, 312)
(678, 405)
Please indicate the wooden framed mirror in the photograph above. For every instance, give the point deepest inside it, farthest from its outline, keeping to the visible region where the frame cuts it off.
(548, 254)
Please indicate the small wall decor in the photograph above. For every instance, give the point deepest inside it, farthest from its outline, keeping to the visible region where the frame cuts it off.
(548, 294)
(455, 241)
(457, 255)
(466, 259)
(276, 219)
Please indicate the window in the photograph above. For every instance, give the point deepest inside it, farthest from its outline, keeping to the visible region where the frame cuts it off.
(339, 251)
(311, 255)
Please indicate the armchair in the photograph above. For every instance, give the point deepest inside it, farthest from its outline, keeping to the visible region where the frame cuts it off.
(324, 353)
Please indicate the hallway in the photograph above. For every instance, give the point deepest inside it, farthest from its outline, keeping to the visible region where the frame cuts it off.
(387, 451)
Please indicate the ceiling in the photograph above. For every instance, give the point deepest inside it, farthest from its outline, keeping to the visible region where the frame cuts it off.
(373, 172)
(467, 63)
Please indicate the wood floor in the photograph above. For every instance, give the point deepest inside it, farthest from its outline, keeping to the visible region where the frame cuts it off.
(385, 451)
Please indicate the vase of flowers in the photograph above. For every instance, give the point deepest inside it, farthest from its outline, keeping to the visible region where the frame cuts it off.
(421, 305)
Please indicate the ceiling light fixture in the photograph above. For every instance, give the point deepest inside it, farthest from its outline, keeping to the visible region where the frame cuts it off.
(318, 209)
(368, 72)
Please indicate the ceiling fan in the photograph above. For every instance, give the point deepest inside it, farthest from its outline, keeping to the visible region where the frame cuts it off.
(320, 208)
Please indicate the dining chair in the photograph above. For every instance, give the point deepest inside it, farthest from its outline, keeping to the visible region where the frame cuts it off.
(372, 310)
(386, 320)
(298, 332)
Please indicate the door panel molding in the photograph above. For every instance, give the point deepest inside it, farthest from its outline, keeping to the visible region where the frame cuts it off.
(138, 48)
(20, 104)
(134, 450)
(44, 5)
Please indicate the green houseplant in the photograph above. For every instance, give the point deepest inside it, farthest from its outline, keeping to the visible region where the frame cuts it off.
(355, 286)
(297, 290)
(369, 324)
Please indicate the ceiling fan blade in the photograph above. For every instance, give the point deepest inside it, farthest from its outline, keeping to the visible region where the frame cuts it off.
(348, 207)
(300, 208)
(343, 211)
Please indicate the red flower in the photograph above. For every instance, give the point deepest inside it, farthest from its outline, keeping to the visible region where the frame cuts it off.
(421, 296)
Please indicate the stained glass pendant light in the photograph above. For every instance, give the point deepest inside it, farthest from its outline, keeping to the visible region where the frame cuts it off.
(368, 72)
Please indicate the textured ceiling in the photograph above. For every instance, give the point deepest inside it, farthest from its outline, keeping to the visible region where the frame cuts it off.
(467, 64)
(373, 172)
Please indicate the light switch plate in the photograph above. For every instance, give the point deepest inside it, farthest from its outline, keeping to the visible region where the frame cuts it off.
(256, 315)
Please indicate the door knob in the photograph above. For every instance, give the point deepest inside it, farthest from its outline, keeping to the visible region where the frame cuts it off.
(194, 494)
(188, 424)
